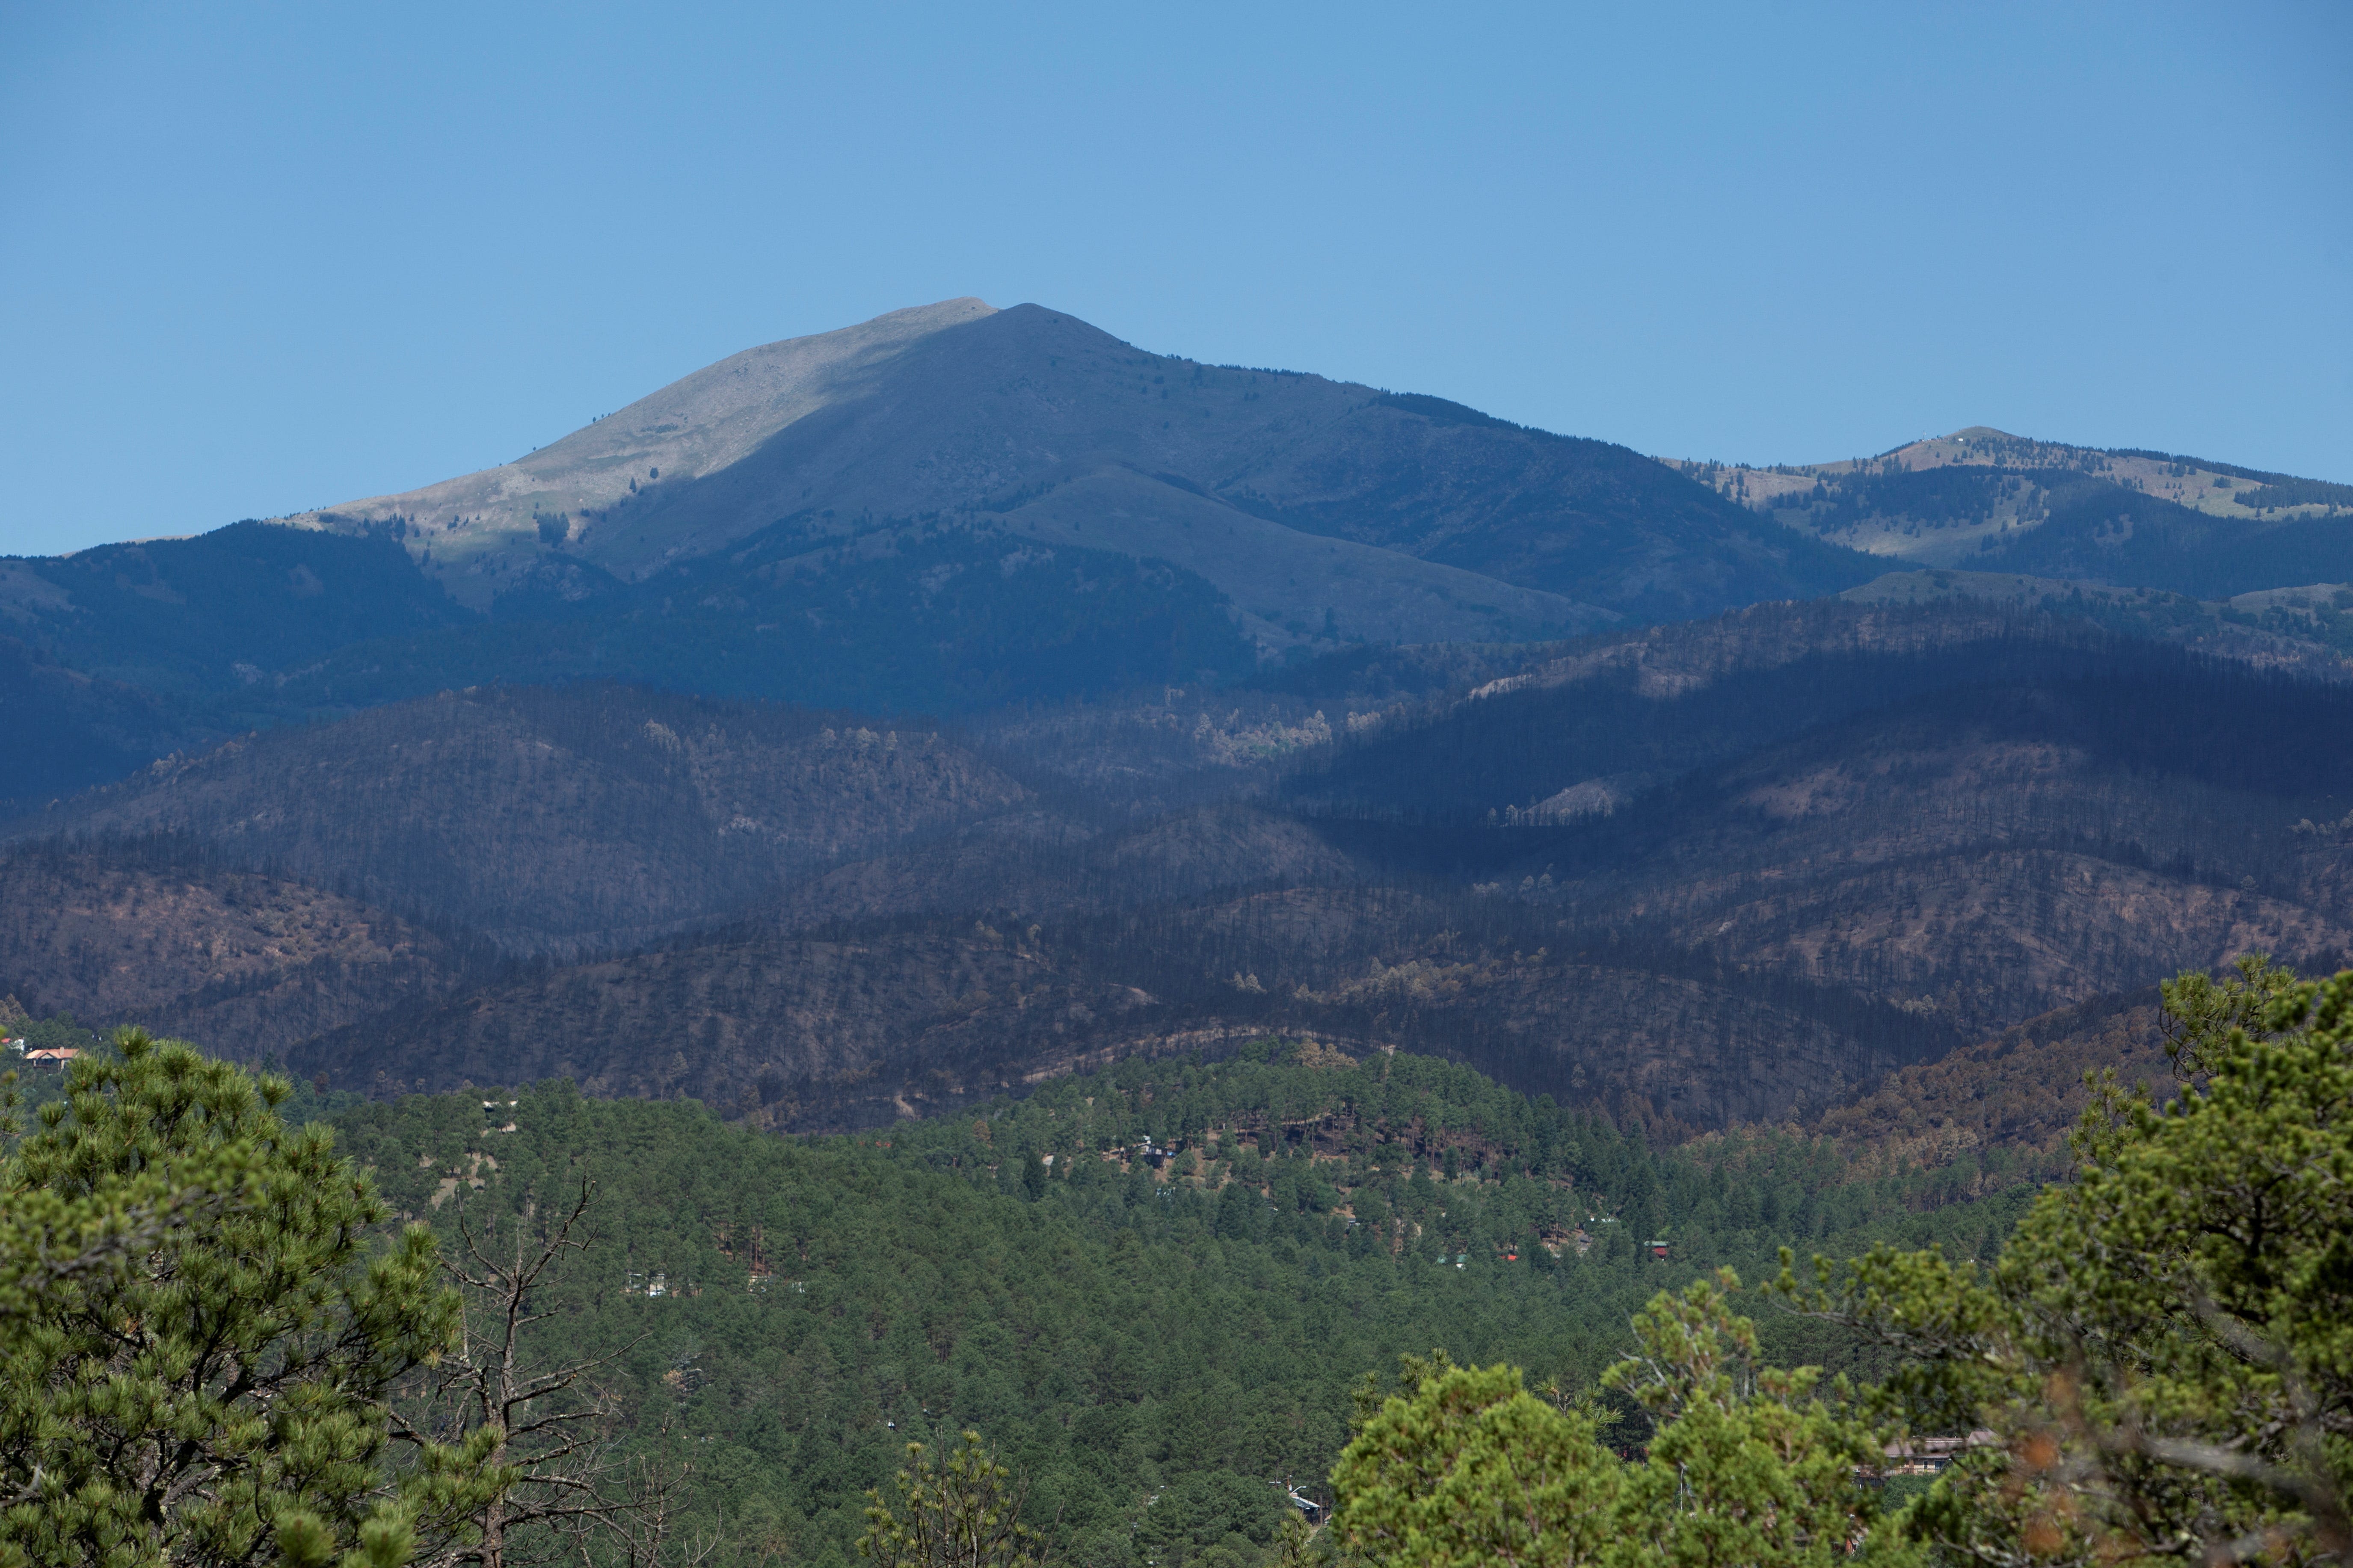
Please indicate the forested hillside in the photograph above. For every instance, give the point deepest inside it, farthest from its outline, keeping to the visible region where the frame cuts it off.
(2302, 629)
(1154, 1286)
(2023, 1090)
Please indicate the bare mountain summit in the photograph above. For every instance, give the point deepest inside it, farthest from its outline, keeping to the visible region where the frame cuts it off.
(691, 428)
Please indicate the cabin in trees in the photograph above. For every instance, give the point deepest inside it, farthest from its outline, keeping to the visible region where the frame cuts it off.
(1928, 1456)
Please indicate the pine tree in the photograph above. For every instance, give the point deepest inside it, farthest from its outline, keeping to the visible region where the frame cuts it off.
(199, 1331)
(2162, 1363)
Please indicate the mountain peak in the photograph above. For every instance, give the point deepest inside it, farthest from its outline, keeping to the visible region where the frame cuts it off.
(715, 416)
(695, 425)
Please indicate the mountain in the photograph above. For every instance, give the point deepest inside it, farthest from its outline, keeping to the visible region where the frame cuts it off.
(2303, 628)
(880, 722)
(1967, 811)
(955, 509)
(943, 510)
(67, 730)
(211, 614)
(1991, 502)
(956, 410)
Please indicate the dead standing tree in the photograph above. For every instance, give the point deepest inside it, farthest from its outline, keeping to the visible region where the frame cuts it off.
(573, 1496)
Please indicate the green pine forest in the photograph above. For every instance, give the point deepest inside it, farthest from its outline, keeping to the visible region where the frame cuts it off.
(1124, 1333)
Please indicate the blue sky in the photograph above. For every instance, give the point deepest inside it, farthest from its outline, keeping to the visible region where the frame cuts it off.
(264, 258)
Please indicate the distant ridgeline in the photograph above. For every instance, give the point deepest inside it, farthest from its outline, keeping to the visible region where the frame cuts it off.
(1989, 501)
(1153, 1286)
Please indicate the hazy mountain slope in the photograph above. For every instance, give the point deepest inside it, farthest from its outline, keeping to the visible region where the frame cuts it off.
(1579, 517)
(118, 655)
(2304, 629)
(976, 417)
(818, 521)
(1976, 815)
(246, 964)
(1988, 501)
(1616, 714)
(701, 423)
(926, 618)
(1736, 870)
(1151, 752)
(66, 730)
(1037, 864)
(554, 821)
(1992, 852)
(1297, 585)
(215, 612)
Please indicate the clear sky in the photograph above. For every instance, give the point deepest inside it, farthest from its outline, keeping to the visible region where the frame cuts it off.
(256, 259)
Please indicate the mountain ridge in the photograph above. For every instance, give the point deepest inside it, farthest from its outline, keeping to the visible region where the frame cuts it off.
(1985, 500)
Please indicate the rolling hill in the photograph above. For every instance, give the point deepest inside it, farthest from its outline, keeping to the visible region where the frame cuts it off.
(159, 936)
